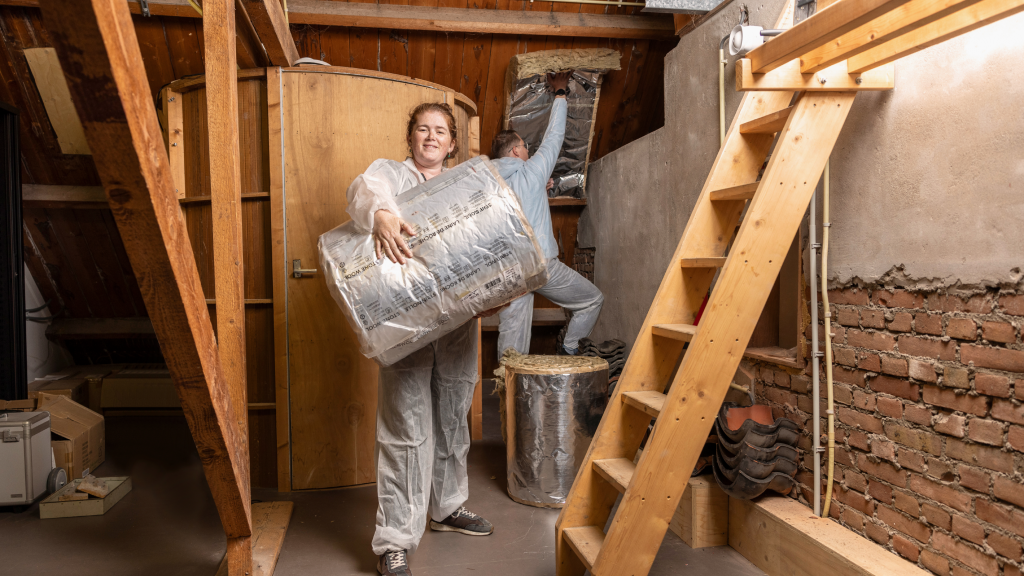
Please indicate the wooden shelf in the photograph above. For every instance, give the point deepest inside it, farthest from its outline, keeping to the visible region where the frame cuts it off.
(541, 317)
(248, 301)
(567, 201)
(773, 354)
(201, 199)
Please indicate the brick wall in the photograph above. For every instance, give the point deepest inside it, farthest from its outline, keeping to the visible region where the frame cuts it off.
(583, 262)
(929, 424)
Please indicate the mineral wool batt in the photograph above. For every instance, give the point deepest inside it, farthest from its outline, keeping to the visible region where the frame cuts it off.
(473, 250)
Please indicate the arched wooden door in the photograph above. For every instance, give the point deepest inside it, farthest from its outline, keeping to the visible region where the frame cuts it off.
(326, 125)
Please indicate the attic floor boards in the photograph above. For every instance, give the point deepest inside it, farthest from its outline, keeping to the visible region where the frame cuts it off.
(168, 524)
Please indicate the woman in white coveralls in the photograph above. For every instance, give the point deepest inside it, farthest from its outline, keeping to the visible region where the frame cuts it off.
(423, 400)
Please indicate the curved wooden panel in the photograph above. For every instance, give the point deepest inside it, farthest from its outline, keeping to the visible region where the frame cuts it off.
(331, 126)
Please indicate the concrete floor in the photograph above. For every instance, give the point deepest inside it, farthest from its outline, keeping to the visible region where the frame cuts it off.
(168, 524)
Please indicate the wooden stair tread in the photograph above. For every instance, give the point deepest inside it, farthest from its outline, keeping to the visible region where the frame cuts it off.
(586, 542)
(702, 262)
(683, 332)
(767, 124)
(646, 401)
(617, 471)
(741, 192)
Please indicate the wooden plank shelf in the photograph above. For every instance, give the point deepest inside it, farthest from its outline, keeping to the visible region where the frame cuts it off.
(647, 401)
(246, 196)
(775, 355)
(702, 262)
(248, 301)
(741, 192)
(617, 471)
(681, 332)
(586, 541)
(566, 201)
(769, 124)
(541, 317)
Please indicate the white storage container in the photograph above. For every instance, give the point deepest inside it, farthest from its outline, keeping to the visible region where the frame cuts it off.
(25, 457)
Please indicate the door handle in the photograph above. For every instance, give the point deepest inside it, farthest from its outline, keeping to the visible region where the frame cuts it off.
(298, 271)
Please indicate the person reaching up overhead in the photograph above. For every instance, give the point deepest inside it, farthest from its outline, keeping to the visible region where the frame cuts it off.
(529, 179)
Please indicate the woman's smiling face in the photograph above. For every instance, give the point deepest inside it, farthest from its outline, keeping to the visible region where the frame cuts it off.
(431, 139)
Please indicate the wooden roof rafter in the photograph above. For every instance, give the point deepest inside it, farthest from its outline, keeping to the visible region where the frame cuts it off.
(851, 45)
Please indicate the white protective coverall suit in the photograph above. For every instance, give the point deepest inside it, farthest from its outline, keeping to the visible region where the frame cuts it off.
(565, 286)
(422, 402)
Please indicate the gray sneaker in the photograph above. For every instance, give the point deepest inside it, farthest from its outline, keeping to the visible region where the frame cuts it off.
(464, 522)
(394, 563)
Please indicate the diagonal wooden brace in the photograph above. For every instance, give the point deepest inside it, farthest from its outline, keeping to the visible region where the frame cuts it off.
(99, 53)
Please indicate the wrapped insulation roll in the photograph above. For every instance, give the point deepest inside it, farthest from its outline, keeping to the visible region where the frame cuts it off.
(553, 406)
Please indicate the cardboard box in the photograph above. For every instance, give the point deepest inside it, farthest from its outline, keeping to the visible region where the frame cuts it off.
(75, 382)
(28, 405)
(140, 386)
(82, 443)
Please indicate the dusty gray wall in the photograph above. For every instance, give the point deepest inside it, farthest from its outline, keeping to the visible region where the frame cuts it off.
(927, 180)
(640, 196)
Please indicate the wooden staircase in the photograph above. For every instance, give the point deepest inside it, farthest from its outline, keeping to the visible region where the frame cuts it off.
(767, 214)
(799, 89)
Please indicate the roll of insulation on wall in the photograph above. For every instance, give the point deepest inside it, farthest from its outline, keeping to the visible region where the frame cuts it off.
(553, 406)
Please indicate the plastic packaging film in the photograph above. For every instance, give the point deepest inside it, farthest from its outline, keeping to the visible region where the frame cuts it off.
(528, 116)
(473, 250)
(556, 403)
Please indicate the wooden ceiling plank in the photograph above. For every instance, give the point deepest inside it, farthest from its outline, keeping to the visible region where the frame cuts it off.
(271, 26)
(53, 89)
(821, 28)
(975, 16)
(903, 20)
(99, 53)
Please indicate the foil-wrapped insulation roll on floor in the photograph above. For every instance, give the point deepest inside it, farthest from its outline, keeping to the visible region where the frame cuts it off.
(473, 251)
(553, 406)
(528, 100)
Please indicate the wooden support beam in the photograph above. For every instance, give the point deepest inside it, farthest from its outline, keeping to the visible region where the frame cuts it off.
(835, 79)
(271, 26)
(970, 18)
(270, 522)
(46, 196)
(432, 19)
(702, 519)
(100, 56)
(226, 207)
(514, 22)
(175, 137)
(903, 20)
(783, 537)
(821, 28)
